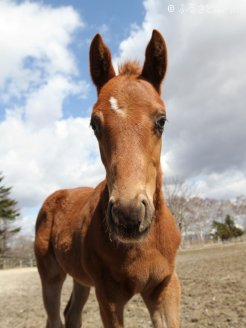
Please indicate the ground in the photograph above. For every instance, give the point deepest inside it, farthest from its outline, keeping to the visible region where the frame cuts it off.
(213, 293)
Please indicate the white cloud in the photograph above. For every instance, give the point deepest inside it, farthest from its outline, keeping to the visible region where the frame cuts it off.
(221, 185)
(40, 161)
(41, 150)
(44, 106)
(32, 33)
(203, 90)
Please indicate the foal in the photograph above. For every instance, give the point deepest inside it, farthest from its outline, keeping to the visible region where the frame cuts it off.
(118, 237)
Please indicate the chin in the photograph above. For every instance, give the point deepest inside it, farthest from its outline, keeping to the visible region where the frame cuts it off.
(130, 240)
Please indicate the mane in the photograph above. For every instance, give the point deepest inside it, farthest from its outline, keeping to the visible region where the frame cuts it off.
(130, 68)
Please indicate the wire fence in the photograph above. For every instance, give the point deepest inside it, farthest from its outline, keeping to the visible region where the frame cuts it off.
(9, 262)
(12, 262)
(209, 242)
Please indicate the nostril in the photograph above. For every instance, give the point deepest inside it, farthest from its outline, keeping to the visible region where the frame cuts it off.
(110, 210)
(144, 203)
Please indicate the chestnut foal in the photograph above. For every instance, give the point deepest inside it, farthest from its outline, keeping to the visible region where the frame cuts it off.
(118, 237)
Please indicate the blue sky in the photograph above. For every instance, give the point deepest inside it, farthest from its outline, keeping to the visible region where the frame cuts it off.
(113, 19)
(46, 94)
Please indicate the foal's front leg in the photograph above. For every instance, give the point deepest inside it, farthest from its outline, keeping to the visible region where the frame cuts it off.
(163, 304)
(111, 303)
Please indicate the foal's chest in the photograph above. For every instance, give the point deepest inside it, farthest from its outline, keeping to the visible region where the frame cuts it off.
(141, 271)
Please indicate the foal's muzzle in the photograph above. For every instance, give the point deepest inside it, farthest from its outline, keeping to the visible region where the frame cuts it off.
(129, 220)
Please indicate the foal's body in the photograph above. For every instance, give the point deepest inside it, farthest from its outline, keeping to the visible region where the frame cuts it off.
(81, 247)
(119, 237)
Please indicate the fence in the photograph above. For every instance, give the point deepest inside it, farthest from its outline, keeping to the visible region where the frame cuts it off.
(193, 243)
(12, 262)
(9, 262)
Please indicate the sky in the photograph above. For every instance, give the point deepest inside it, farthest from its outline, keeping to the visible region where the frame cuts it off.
(46, 94)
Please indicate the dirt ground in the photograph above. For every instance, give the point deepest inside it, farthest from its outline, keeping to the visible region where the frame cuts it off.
(213, 293)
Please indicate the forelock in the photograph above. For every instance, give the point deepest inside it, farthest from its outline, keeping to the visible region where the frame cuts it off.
(130, 68)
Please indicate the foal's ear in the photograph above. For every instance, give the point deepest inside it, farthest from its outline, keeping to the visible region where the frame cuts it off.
(100, 62)
(155, 64)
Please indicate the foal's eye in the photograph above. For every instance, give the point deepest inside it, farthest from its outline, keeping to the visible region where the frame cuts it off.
(95, 125)
(160, 123)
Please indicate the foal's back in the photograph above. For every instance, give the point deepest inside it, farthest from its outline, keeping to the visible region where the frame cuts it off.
(60, 226)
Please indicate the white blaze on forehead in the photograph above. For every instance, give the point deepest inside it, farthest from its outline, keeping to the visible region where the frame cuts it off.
(114, 105)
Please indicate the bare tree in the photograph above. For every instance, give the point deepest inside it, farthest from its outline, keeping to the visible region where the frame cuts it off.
(22, 247)
(194, 215)
(178, 194)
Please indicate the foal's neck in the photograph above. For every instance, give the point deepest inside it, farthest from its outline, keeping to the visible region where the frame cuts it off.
(158, 196)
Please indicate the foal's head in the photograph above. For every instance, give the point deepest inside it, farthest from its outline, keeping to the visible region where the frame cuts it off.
(128, 120)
